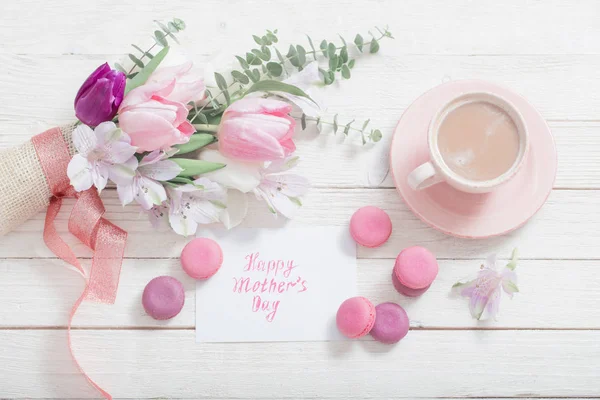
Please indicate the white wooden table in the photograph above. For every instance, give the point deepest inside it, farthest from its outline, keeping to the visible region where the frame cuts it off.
(545, 343)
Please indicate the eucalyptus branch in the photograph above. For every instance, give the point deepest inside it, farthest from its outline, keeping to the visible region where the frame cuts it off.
(373, 135)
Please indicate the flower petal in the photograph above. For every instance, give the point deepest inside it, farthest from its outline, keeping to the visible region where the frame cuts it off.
(79, 173)
(126, 193)
(258, 106)
(100, 175)
(247, 142)
(490, 262)
(288, 184)
(239, 175)
(145, 92)
(84, 140)
(181, 223)
(237, 208)
(161, 170)
(104, 132)
(122, 174)
(212, 190)
(149, 193)
(118, 152)
(204, 211)
(150, 132)
(493, 305)
(477, 304)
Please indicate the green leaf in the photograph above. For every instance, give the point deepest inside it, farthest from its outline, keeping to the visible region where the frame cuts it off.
(339, 63)
(200, 117)
(253, 59)
(512, 286)
(374, 47)
(160, 39)
(195, 167)
(266, 40)
(345, 71)
(242, 62)
(344, 54)
(335, 124)
(333, 62)
(185, 181)
(296, 201)
(197, 141)
(275, 69)
(359, 41)
(251, 75)
(292, 55)
(280, 56)
(343, 40)
(303, 121)
(132, 75)
(513, 260)
(301, 55)
(240, 77)
(173, 27)
(138, 49)
(145, 73)
(312, 46)
(136, 60)
(260, 55)
(276, 86)
(323, 47)
(365, 125)
(325, 74)
(264, 69)
(179, 23)
(331, 49)
(119, 67)
(266, 53)
(258, 40)
(272, 37)
(347, 128)
(376, 135)
(167, 31)
(351, 63)
(221, 83)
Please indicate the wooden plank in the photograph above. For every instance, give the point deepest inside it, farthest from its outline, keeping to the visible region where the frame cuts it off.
(387, 84)
(430, 27)
(151, 363)
(40, 293)
(328, 162)
(565, 228)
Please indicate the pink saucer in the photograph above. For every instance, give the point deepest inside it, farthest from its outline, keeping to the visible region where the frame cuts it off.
(473, 215)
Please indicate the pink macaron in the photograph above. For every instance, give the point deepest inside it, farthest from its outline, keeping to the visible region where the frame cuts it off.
(391, 323)
(201, 258)
(163, 297)
(414, 271)
(355, 317)
(370, 226)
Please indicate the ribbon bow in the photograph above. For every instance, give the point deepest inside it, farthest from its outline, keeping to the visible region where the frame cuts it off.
(86, 222)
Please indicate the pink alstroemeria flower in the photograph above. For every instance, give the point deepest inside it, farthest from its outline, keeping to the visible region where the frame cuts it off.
(257, 129)
(485, 291)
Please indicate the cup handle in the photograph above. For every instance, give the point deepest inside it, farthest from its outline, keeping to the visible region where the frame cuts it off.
(423, 176)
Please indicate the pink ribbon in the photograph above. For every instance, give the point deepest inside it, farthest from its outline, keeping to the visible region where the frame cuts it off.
(87, 224)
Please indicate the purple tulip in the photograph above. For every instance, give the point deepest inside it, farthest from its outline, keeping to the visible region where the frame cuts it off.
(99, 97)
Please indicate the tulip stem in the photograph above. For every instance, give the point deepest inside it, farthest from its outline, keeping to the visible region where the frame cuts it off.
(206, 127)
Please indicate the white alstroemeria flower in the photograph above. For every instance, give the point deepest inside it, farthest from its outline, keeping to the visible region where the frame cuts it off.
(280, 189)
(145, 188)
(157, 215)
(103, 153)
(239, 178)
(305, 80)
(485, 291)
(193, 204)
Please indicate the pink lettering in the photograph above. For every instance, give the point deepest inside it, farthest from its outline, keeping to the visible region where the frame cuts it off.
(265, 305)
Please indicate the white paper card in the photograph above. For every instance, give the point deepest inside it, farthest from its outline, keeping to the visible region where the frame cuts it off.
(281, 284)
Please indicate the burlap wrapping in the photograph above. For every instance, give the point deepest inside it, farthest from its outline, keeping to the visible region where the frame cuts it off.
(24, 191)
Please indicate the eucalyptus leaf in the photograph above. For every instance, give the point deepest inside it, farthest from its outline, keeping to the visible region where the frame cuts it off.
(347, 128)
(280, 56)
(197, 141)
(266, 40)
(179, 23)
(333, 62)
(344, 54)
(346, 72)
(301, 55)
(272, 37)
(242, 62)
(292, 55)
(277, 86)
(201, 118)
(195, 167)
(374, 47)
(376, 135)
(343, 40)
(335, 124)
(331, 49)
(145, 73)
(136, 61)
(173, 27)
(138, 49)
(119, 67)
(266, 53)
(312, 46)
(149, 55)
(365, 125)
(221, 83)
(323, 47)
(240, 77)
(359, 41)
(275, 69)
(253, 59)
(258, 40)
(303, 121)
(351, 63)
(252, 77)
(160, 39)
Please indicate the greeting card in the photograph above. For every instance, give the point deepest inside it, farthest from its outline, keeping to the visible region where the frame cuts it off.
(281, 284)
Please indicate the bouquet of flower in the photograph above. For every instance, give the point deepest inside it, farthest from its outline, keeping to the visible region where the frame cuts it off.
(182, 150)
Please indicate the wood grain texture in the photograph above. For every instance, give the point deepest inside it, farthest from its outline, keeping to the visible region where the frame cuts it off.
(545, 342)
(158, 363)
(565, 228)
(51, 285)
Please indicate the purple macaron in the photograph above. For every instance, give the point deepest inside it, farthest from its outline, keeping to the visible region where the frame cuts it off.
(391, 323)
(163, 297)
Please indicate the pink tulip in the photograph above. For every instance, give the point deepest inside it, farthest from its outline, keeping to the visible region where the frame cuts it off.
(188, 86)
(257, 129)
(151, 120)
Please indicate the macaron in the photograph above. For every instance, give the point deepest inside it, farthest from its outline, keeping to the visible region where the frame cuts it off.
(355, 317)
(163, 297)
(414, 271)
(391, 323)
(201, 258)
(370, 226)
